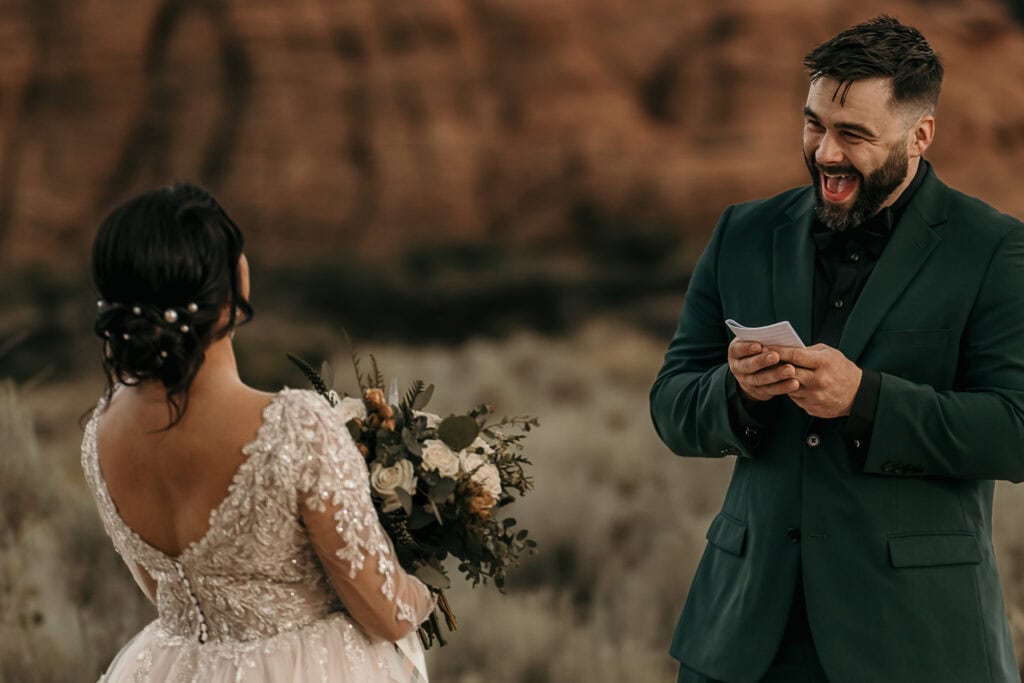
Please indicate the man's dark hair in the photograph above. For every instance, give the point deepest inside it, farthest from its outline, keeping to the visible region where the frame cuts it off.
(881, 48)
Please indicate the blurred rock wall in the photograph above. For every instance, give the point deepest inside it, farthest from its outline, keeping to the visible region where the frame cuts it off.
(369, 126)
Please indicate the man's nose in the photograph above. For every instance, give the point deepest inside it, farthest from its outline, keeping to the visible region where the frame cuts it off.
(829, 151)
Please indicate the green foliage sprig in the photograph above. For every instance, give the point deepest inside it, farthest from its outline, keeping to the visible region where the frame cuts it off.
(457, 474)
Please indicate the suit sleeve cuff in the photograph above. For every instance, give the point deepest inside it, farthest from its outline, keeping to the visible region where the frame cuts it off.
(861, 421)
(750, 419)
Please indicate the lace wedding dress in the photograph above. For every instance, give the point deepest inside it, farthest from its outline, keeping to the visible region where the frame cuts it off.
(257, 597)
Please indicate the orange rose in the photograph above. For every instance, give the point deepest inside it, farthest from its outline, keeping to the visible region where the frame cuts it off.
(480, 502)
(375, 397)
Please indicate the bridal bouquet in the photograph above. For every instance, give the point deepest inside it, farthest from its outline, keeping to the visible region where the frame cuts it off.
(437, 483)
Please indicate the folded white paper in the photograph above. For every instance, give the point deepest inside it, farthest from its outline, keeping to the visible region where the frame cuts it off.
(776, 334)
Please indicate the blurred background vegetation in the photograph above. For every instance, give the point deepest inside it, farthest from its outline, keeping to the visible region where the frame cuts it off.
(502, 197)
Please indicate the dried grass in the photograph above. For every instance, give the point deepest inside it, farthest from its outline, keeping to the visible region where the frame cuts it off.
(620, 521)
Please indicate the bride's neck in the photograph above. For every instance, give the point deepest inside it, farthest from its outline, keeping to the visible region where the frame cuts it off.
(219, 371)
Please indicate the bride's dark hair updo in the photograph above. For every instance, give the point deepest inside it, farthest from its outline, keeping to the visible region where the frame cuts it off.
(165, 265)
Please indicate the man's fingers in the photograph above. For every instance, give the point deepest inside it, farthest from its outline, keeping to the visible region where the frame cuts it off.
(772, 375)
(803, 375)
(786, 386)
(743, 349)
(753, 364)
(805, 358)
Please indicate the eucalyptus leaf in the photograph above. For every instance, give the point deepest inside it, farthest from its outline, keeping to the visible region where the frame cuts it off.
(410, 442)
(405, 499)
(442, 489)
(420, 518)
(458, 431)
(327, 374)
(423, 398)
(432, 577)
(393, 392)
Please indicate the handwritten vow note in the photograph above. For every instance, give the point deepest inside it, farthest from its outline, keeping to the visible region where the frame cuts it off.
(776, 334)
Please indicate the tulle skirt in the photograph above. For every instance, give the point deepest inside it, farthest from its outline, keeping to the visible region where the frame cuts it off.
(332, 650)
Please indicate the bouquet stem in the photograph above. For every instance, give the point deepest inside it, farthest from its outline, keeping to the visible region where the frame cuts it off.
(446, 609)
(430, 630)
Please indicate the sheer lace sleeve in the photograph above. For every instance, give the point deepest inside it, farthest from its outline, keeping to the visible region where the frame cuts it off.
(356, 553)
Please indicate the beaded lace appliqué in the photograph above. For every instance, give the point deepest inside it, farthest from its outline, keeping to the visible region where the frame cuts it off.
(254, 579)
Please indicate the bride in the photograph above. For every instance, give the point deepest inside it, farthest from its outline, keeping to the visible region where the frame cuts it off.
(245, 517)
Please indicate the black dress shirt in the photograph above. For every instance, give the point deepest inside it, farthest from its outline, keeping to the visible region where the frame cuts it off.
(842, 264)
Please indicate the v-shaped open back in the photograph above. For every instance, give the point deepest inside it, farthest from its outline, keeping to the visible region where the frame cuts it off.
(234, 489)
(251, 599)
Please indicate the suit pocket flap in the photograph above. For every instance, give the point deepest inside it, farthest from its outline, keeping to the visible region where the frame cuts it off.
(934, 550)
(728, 534)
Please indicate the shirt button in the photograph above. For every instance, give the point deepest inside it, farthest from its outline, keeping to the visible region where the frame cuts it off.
(838, 303)
(813, 440)
(793, 535)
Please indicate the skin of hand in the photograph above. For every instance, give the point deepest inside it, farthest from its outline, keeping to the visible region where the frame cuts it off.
(758, 371)
(827, 380)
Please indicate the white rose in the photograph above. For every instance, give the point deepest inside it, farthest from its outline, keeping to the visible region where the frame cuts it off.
(432, 420)
(480, 445)
(385, 480)
(489, 480)
(350, 408)
(470, 460)
(438, 457)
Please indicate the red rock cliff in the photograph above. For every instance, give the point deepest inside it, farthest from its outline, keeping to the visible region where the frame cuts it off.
(367, 125)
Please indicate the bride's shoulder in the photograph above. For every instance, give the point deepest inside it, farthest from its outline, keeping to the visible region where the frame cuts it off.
(305, 415)
(301, 403)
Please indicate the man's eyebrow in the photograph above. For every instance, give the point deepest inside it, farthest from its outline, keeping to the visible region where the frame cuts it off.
(855, 127)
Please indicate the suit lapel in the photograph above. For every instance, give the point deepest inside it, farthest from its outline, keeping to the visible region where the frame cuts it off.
(912, 241)
(793, 267)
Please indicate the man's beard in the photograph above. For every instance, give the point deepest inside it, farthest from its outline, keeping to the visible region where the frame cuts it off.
(872, 191)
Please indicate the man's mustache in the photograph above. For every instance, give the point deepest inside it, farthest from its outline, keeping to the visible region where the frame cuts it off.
(837, 170)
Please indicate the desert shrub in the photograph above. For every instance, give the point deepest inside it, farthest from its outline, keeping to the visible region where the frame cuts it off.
(620, 520)
(66, 600)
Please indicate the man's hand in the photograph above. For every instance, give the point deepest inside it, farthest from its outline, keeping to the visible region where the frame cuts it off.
(828, 380)
(758, 372)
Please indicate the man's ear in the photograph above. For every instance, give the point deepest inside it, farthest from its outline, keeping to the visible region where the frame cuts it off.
(920, 136)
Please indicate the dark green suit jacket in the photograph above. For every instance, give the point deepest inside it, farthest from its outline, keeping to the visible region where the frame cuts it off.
(896, 553)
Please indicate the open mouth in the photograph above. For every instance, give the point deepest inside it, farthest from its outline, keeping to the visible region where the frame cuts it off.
(838, 187)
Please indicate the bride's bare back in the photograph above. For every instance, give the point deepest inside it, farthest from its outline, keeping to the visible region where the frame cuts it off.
(166, 482)
(246, 517)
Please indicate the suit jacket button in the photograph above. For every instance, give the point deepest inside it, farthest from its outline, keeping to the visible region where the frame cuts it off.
(813, 440)
(793, 535)
(729, 450)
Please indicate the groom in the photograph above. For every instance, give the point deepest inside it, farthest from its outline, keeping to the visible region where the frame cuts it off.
(854, 540)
